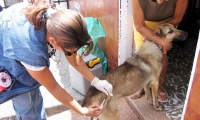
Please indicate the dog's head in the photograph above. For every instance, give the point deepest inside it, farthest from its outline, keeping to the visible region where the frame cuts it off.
(169, 33)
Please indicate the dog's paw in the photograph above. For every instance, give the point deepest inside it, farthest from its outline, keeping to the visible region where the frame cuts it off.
(150, 101)
(157, 107)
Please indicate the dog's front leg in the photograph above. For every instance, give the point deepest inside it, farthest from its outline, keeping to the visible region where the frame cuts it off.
(148, 93)
(154, 89)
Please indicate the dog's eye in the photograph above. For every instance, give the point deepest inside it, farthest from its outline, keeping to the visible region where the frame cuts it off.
(170, 31)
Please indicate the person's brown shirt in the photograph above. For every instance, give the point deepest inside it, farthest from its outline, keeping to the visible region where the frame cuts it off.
(157, 12)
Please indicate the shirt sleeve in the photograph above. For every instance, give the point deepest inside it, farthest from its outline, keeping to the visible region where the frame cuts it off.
(33, 68)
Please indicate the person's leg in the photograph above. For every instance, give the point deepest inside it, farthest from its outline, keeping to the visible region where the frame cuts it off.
(138, 94)
(162, 93)
(29, 106)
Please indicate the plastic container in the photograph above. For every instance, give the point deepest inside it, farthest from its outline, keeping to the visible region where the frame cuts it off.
(78, 82)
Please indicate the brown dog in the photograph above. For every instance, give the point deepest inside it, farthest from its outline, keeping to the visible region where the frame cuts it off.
(141, 70)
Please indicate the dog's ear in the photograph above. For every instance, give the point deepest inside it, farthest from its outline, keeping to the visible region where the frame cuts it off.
(158, 33)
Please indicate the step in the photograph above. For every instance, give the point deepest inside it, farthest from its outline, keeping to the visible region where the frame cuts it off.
(144, 110)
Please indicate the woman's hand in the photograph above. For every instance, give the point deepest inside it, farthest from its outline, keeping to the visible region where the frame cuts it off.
(166, 47)
(102, 85)
(93, 110)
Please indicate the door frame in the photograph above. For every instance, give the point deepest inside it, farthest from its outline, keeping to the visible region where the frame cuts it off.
(126, 45)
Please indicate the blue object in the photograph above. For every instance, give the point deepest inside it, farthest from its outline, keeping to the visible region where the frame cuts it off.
(19, 41)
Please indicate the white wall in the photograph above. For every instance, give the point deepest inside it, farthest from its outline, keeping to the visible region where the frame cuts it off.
(125, 44)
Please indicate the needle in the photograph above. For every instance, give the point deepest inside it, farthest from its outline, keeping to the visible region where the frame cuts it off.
(103, 102)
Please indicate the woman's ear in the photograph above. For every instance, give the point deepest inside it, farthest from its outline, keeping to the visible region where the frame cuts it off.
(51, 40)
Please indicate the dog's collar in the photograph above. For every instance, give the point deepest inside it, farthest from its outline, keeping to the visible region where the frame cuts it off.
(154, 42)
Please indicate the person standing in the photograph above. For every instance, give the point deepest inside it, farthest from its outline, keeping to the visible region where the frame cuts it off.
(146, 15)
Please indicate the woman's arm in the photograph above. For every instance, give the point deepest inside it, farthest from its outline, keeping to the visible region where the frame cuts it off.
(181, 6)
(77, 62)
(45, 78)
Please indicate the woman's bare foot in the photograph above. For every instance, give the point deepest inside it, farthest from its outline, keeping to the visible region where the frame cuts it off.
(138, 94)
(162, 94)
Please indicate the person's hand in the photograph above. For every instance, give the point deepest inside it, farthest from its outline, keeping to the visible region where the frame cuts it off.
(166, 47)
(93, 110)
(103, 86)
